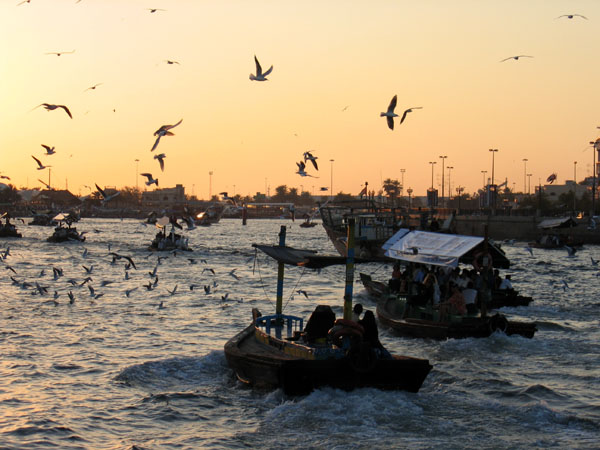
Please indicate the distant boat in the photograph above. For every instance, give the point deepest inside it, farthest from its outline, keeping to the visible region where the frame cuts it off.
(171, 241)
(7, 229)
(276, 351)
(64, 233)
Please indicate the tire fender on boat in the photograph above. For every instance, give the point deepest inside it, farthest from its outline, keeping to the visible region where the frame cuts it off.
(482, 261)
(343, 328)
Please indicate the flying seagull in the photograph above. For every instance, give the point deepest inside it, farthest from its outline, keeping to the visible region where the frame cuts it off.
(516, 58)
(227, 198)
(163, 131)
(60, 53)
(128, 258)
(570, 16)
(105, 197)
(408, 111)
(260, 76)
(301, 171)
(41, 166)
(50, 107)
(49, 150)
(153, 10)
(93, 87)
(169, 61)
(551, 178)
(161, 161)
(151, 180)
(390, 114)
(313, 159)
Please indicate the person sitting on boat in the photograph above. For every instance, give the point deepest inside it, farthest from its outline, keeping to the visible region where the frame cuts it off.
(319, 323)
(470, 295)
(394, 282)
(432, 288)
(371, 335)
(497, 279)
(356, 312)
(506, 284)
(455, 304)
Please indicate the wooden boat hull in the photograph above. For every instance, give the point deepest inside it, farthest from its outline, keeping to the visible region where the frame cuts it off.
(267, 366)
(390, 312)
(500, 299)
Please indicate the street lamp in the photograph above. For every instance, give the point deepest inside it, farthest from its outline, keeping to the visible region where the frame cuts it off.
(484, 172)
(432, 164)
(331, 179)
(409, 191)
(443, 158)
(493, 150)
(525, 174)
(529, 183)
(449, 180)
(596, 145)
(574, 185)
(402, 182)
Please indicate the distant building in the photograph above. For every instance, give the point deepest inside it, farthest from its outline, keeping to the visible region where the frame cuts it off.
(167, 197)
(54, 199)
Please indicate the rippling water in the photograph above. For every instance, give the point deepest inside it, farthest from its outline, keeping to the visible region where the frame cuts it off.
(117, 371)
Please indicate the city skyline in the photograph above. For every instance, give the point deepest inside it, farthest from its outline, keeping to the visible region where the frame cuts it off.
(124, 72)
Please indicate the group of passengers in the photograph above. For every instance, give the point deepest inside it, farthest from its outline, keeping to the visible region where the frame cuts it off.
(451, 290)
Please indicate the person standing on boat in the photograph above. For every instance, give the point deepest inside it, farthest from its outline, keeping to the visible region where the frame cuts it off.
(356, 312)
(371, 335)
(394, 282)
(470, 295)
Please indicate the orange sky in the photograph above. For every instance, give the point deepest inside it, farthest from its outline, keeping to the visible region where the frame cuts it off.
(327, 56)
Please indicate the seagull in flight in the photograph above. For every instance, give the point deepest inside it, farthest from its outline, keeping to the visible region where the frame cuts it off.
(409, 110)
(153, 10)
(51, 107)
(161, 161)
(49, 150)
(260, 76)
(227, 198)
(91, 88)
(390, 114)
(105, 197)
(60, 53)
(163, 131)
(301, 171)
(529, 249)
(150, 179)
(313, 159)
(169, 61)
(516, 58)
(128, 258)
(40, 165)
(570, 16)
(570, 251)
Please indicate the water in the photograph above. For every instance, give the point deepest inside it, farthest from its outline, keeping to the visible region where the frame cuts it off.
(118, 372)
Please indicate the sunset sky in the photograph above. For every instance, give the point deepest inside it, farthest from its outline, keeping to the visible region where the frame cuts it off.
(337, 64)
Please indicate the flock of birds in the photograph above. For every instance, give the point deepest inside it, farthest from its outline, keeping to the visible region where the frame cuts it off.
(52, 285)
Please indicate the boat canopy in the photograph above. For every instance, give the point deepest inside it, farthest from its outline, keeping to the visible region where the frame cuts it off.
(561, 222)
(425, 247)
(304, 258)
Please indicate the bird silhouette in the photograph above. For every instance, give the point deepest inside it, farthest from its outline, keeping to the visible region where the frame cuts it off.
(260, 76)
(51, 107)
(516, 58)
(390, 114)
(163, 131)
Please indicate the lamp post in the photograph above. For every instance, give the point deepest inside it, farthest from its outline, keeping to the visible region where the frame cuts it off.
(459, 191)
(484, 172)
(574, 186)
(443, 158)
(402, 181)
(409, 191)
(449, 181)
(432, 164)
(529, 184)
(493, 150)
(525, 174)
(596, 145)
(136, 173)
(331, 179)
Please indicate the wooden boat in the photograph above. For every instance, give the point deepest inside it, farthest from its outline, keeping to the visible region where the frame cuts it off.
(553, 235)
(397, 313)
(276, 351)
(211, 215)
(500, 298)
(7, 229)
(168, 242)
(64, 233)
(308, 224)
(413, 315)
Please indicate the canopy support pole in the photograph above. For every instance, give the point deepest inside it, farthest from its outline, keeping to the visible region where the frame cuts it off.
(349, 270)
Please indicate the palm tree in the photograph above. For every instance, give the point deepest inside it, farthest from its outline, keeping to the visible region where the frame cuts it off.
(392, 189)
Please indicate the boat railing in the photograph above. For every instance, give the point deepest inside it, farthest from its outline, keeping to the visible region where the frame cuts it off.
(278, 321)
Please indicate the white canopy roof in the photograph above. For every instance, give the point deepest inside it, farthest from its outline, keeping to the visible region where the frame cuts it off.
(425, 247)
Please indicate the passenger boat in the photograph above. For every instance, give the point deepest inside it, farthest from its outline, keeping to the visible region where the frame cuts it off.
(500, 298)
(64, 233)
(552, 235)
(211, 215)
(411, 315)
(171, 241)
(277, 351)
(7, 229)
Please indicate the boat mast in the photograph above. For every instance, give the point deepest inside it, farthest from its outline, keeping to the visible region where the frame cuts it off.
(279, 303)
(349, 269)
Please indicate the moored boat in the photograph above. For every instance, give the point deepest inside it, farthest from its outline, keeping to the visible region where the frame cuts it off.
(276, 351)
(7, 229)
